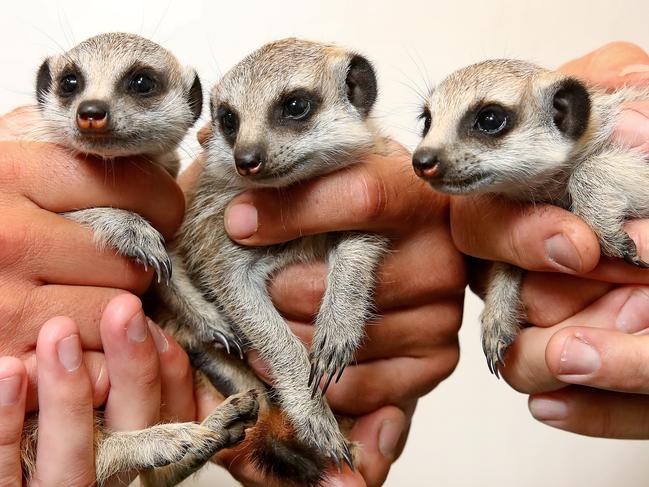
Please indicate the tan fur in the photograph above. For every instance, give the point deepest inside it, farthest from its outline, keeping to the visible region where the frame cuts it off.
(555, 147)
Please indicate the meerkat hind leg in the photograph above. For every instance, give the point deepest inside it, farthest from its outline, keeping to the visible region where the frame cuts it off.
(223, 428)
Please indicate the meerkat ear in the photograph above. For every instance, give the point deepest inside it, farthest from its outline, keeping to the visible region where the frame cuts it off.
(195, 97)
(361, 84)
(43, 82)
(571, 108)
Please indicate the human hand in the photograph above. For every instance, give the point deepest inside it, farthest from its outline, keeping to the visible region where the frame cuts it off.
(50, 265)
(413, 345)
(551, 243)
(150, 381)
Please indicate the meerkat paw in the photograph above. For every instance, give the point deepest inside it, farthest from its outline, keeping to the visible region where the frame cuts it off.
(147, 248)
(129, 234)
(230, 419)
(630, 255)
(322, 432)
(228, 339)
(497, 335)
(329, 357)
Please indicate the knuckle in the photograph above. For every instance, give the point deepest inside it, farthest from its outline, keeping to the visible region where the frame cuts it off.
(373, 197)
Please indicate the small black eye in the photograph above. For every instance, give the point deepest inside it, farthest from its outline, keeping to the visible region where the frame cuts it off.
(142, 84)
(229, 122)
(491, 120)
(428, 119)
(296, 108)
(68, 85)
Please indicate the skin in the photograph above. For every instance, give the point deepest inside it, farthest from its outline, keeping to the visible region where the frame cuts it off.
(584, 360)
(413, 343)
(136, 353)
(49, 265)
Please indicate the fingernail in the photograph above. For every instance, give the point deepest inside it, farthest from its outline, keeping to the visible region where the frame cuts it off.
(159, 339)
(578, 357)
(547, 409)
(389, 436)
(561, 251)
(136, 328)
(69, 351)
(634, 314)
(241, 221)
(634, 69)
(632, 128)
(10, 390)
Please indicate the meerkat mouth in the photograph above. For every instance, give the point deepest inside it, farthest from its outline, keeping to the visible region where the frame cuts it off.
(468, 185)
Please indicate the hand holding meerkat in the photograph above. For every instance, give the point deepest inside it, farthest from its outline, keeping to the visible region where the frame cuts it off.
(514, 129)
(117, 95)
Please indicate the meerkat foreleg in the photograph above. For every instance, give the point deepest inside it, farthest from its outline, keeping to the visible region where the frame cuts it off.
(346, 306)
(502, 314)
(287, 359)
(129, 234)
(606, 190)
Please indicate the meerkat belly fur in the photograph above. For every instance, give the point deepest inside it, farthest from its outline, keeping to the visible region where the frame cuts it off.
(291, 111)
(118, 95)
(529, 134)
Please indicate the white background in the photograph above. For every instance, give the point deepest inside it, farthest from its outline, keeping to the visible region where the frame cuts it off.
(472, 430)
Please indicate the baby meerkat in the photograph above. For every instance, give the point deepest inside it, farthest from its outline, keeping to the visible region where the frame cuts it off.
(118, 95)
(515, 129)
(290, 111)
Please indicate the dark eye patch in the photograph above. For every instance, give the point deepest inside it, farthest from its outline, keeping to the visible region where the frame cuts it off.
(487, 122)
(70, 82)
(228, 121)
(142, 82)
(295, 109)
(427, 117)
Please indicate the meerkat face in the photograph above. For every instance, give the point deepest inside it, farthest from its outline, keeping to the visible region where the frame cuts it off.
(118, 94)
(290, 111)
(499, 125)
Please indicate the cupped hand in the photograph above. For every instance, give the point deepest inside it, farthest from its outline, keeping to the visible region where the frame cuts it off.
(50, 265)
(584, 360)
(412, 345)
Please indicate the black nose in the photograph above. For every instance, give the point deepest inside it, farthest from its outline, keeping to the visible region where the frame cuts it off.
(92, 116)
(426, 162)
(249, 160)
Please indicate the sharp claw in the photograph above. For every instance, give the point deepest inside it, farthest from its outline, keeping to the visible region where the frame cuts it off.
(347, 456)
(316, 385)
(168, 270)
(238, 347)
(326, 385)
(501, 355)
(156, 266)
(336, 461)
(142, 259)
(489, 365)
(496, 371)
(311, 375)
(223, 339)
(340, 373)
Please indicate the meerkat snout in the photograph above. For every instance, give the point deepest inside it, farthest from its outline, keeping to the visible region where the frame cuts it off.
(93, 116)
(249, 159)
(426, 162)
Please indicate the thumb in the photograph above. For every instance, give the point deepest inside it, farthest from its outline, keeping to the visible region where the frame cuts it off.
(632, 129)
(600, 358)
(612, 66)
(17, 123)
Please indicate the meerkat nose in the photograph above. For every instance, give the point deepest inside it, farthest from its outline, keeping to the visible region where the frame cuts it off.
(249, 160)
(92, 116)
(425, 161)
